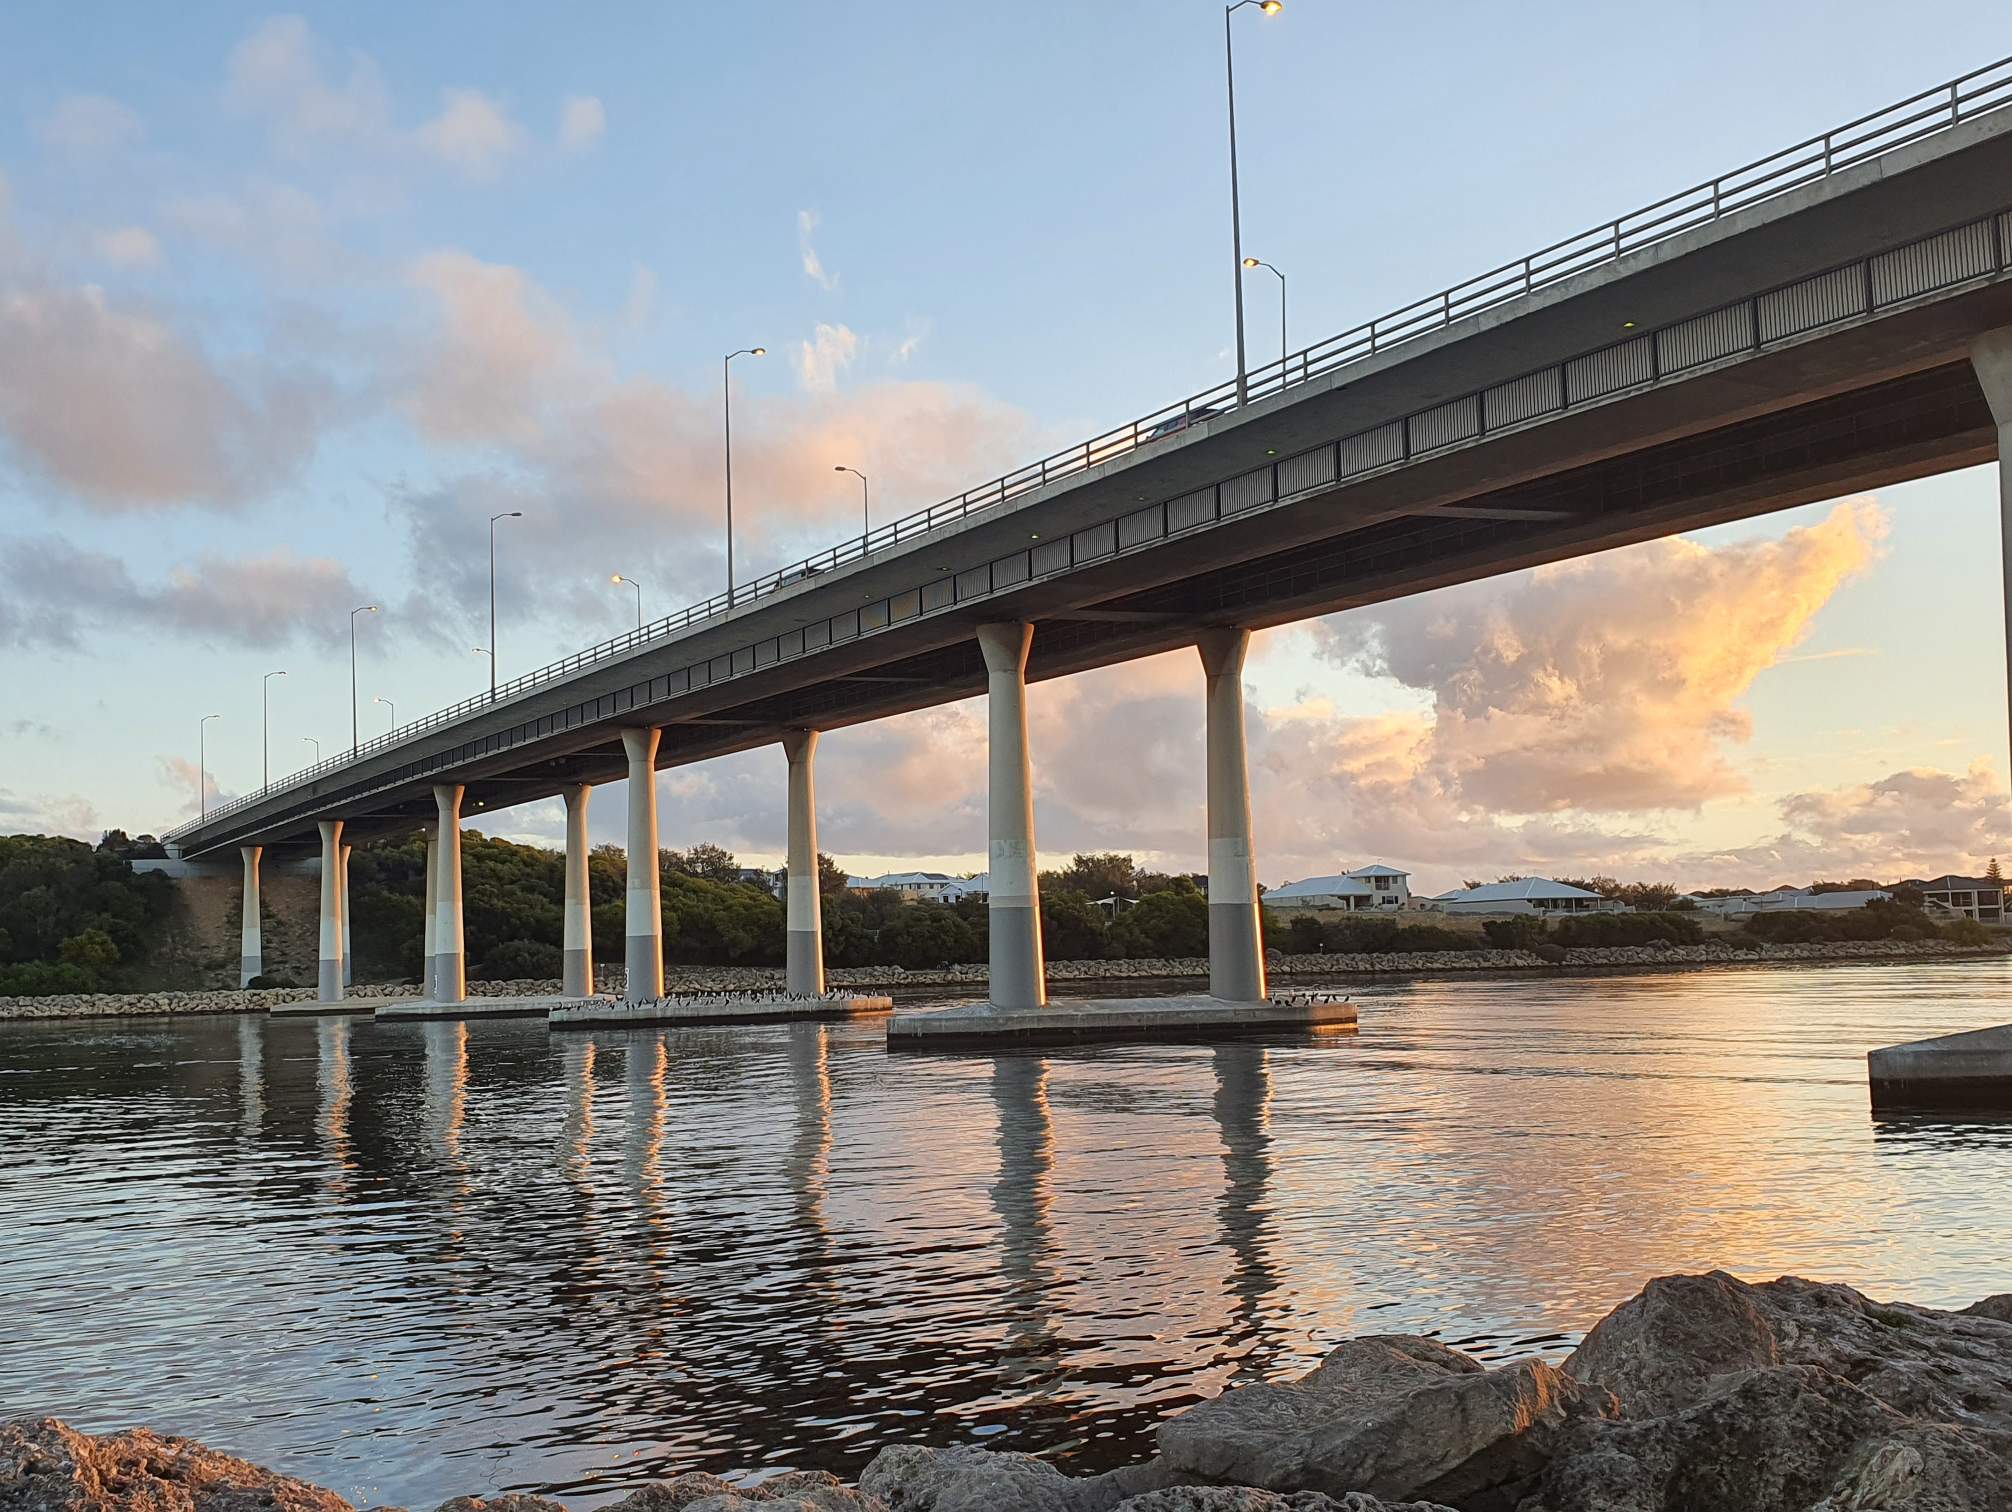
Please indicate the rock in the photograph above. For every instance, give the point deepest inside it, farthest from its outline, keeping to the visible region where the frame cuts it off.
(1998, 1306)
(514, 1502)
(909, 1478)
(47, 1466)
(1684, 1339)
(1247, 1499)
(1786, 1438)
(792, 1491)
(1392, 1415)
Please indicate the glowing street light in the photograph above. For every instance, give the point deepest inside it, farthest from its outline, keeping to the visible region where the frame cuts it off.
(618, 578)
(1270, 8)
(865, 506)
(1259, 262)
(727, 397)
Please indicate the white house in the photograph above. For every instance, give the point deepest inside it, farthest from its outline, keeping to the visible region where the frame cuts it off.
(1538, 895)
(921, 886)
(1376, 886)
(1787, 900)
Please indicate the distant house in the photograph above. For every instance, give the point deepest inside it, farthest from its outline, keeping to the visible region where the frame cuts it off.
(1787, 900)
(1973, 897)
(760, 876)
(921, 886)
(1538, 895)
(1376, 886)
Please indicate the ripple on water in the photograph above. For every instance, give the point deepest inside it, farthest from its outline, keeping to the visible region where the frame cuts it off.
(413, 1260)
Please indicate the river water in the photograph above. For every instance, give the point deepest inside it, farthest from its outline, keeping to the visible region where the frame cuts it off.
(411, 1261)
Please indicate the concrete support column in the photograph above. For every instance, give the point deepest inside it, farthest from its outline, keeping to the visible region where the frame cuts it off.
(1236, 930)
(328, 978)
(251, 949)
(803, 944)
(1991, 356)
(1019, 976)
(450, 968)
(430, 910)
(643, 955)
(577, 966)
(348, 935)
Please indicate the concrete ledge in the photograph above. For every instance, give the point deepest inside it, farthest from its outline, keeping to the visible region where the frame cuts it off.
(717, 1008)
(314, 1009)
(1971, 1070)
(1176, 1018)
(474, 1007)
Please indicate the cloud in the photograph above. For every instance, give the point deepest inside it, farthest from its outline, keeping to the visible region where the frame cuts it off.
(49, 814)
(128, 246)
(268, 599)
(820, 360)
(280, 70)
(472, 134)
(640, 308)
(1607, 683)
(278, 225)
(813, 265)
(89, 125)
(497, 348)
(1920, 822)
(179, 776)
(582, 122)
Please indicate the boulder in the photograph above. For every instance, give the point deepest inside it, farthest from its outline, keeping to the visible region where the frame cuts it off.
(1392, 1415)
(1685, 1339)
(513, 1502)
(1998, 1306)
(1784, 1438)
(1249, 1499)
(793, 1491)
(909, 1478)
(47, 1466)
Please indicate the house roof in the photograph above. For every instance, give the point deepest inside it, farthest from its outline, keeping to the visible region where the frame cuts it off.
(1522, 887)
(1958, 884)
(1322, 887)
(1378, 870)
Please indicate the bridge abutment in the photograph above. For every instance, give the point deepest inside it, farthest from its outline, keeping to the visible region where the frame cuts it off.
(1018, 974)
(328, 975)
(803, 942)
(643, 946)
(450, 966)
(251, 946)
(1236, 931)
(577, 965)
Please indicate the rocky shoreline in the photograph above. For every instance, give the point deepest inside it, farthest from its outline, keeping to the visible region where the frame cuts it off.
(759, 978)
(1702, 1392)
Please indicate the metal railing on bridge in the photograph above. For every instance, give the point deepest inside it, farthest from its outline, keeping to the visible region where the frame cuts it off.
(1910, 120)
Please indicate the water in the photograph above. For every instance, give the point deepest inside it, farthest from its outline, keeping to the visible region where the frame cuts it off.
(409, 1261)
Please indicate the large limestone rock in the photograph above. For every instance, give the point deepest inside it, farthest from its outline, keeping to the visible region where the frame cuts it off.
(793, 1491)
(46, 1466)
(1249, 1499)
(515, 1501)
(909, 1478)
(1394, 1416)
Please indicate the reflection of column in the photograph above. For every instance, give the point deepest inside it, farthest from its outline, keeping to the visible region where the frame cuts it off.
(579, 1106)
(577, 964)
(1991, 357)
(1243, 1115)
(429, 906)
(251, 947)
(446, 1083)
(649, 1059)
(332, 1078)
(251, 1070)
(1018, 979)
(644, 926)
(348, 937)
(809, 1162)
(1236, 943)
(1020, 1197)
(328, 981)
(450, 966)
(803, 945)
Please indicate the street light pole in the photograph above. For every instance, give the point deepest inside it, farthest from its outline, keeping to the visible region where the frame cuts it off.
(1270, 8)
(202, 765)
(265, 730)
(508, 514)
(359, 609)
(1259, 262)
(374, 698)
(865, 504)
(727, 398)
(317, 748)
(618, 578)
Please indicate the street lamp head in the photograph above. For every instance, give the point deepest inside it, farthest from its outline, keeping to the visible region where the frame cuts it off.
(1250, 262)
(617, 578)
(757, 351)
(1272, 7)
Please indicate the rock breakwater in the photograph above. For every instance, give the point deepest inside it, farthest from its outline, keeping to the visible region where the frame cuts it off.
(1702, 1392)
(729, 979)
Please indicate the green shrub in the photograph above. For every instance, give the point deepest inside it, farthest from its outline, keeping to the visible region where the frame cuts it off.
(1597, 929)
(1073, 928)
(923, 935)
(1878, 920)
(1163, 924)
(517, 960)
(1517, 932)
(1969, 932)
(44, 979)
(271, 979)
(1550, 954)
(1301, 935)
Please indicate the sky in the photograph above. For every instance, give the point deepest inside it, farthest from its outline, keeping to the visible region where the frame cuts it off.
(291, 303)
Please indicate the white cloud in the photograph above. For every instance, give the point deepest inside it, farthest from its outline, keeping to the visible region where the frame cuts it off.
(813, 265)
(128, 246)
(282, 71)
(48, 814)
(472, 134)
(87, 124)
(582, 123)
(828, 353)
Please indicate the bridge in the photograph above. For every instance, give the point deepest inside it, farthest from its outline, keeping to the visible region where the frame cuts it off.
(1834, 317)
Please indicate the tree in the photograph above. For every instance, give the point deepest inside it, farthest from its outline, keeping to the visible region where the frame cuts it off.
(833, 880)
(706, 861)
(1104, 874)
(1072, 927)
(1165, 924)
(1993, 875)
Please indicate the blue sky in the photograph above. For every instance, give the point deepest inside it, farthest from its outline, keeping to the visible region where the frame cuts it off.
(289, 303)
